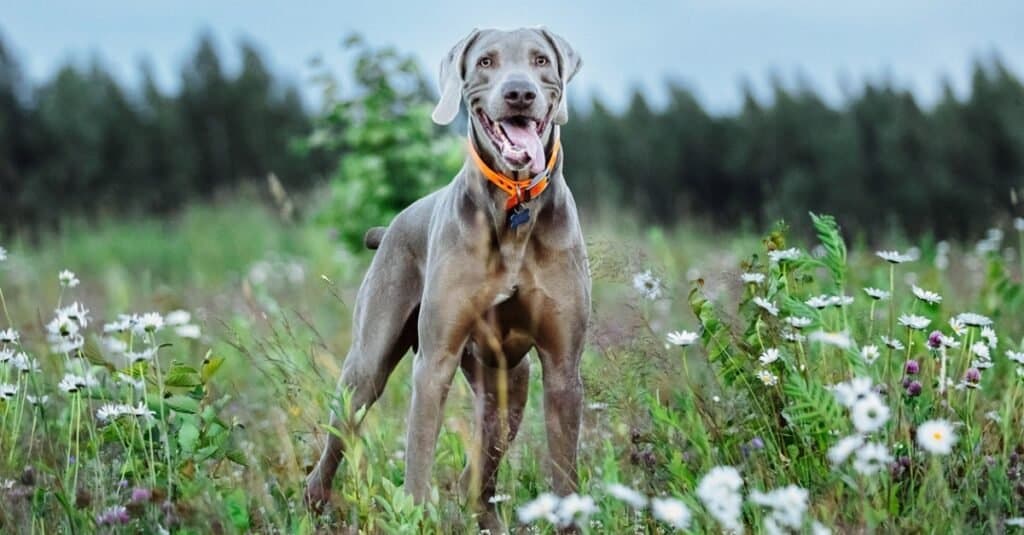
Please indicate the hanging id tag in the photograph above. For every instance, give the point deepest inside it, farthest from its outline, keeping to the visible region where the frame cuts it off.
(518, 216)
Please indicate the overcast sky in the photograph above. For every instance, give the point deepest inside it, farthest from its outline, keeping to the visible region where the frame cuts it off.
(709, 45)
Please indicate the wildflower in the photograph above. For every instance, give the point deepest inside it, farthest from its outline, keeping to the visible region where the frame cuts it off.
(912, 367)
(876, 294)
(8, 391)
(68, 279)
(3, 254)
(542, 507)
(24, 363)
(936, 436)
(784, 255)
(137, 384)
(111, 411)
(149, 323)
(792, 336)
(1017, 521)
(767, 305)
(894, 257)
(840, 339)
(752, 278)
(869, 413)
(682, 338)
(178, 317)
(189, 331)
(114, 345)
(75, 311)
(798, 322)
(719, 491)
(769, 356)
(767, 377)
(840, 300)
(912, 321)
(972, 376)
(842, 450)
(123, 324)
(892, 343)
(981, 350)
(914, 389)
(142, 411)
(9, 336)
(672, 512)
(626, 494)
(117, 514)
(869, 353)
(990, 337)
(145, 355)
(73, 383)
(819, 302)
(574, 508)
(927, 296)
(1016, 356)
(871, 458)
(851, 392)
(37, 400)
(788, 505)
(935, 339)
(6, 354)
(973, 320)
(142, 494)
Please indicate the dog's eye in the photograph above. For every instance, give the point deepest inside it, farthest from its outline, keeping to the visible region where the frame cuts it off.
(540, 61)
(484, 62)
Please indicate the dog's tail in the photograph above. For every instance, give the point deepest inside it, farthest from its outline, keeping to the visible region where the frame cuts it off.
(373, 237)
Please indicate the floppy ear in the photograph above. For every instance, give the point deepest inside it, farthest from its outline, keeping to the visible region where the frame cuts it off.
(450, 81)
(569, 63)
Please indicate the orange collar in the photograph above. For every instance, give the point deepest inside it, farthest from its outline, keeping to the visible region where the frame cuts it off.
(519, 191)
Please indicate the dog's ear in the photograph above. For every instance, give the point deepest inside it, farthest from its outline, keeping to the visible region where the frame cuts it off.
(569, 63)
(450, 81)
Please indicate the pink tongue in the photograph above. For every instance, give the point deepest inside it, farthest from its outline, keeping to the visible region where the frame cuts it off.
(524, 140)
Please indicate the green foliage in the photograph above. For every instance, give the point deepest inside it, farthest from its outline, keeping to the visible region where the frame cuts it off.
(390, 153)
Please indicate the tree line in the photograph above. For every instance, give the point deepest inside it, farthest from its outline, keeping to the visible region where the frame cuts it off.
(80, 143)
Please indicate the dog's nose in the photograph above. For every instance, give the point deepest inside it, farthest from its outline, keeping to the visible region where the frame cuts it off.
(519, 93)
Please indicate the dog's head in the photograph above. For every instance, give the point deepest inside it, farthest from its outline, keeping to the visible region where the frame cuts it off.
(513, 83)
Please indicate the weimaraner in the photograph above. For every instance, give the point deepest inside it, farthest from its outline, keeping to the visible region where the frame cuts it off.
(478, 273)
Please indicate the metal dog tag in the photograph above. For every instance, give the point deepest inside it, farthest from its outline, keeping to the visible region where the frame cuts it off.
(518, 216)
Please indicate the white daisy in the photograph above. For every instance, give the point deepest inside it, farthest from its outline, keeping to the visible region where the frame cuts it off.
(543, 507)
(626, 494)
(840, 300)
(912, 321)
(876, 294)
(68, 279)
(852, 391)
(792, 336)
(1016, 356)
(767, 305)
(672, 512)
(150, 322)
(145, 355)
(990, 337)
(6, 354)
(123, 324)
(498, 498)
(111, 411)
(769, 356)
(892, 343)
(767, 377)
(682, 338)
(788, 505)
(798, 322)
(819, 301)
(190, 331)
(142, 411)
(871, 458)
(869, 413)
(936, 436)
(869, 353)
(973, 320)
(784, 255)
(574, 509)
(114, 345)
(73, 383)
(75, 311)
(3, 254)
(719, 491)
(927, 296)
(840, 339)
(752, 278)
(647, 284)
(980, 350)
(842, 450)
(25, 364)
(1017, 521)
(37, 400)
(178, 317)
(893, 257)
(8, 391)
(9, 336)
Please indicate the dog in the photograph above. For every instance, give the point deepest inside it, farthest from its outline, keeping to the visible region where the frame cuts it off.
(478, 273)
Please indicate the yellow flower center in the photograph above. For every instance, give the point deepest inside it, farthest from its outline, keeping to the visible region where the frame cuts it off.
(937, 435)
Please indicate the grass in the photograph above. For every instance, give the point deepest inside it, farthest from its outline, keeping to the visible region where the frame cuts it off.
(230, 423)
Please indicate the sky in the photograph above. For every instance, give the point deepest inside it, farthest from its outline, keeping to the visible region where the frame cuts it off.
(710, 46)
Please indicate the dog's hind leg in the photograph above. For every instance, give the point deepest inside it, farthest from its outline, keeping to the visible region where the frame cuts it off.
(384, 329)
(495, 428)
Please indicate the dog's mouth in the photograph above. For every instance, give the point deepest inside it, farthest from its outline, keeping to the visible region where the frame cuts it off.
(517, 138)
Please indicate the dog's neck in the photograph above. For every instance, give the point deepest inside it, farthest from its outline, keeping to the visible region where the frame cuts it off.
(491, 198)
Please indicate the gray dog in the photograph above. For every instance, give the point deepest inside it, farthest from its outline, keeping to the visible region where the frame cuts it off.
(478, 273)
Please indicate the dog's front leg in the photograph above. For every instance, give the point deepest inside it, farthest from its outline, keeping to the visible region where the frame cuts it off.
(444, 323)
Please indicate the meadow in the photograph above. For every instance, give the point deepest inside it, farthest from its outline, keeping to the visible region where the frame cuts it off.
(174, 376)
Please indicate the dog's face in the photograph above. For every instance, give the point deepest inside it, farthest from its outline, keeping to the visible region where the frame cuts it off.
(513, 84)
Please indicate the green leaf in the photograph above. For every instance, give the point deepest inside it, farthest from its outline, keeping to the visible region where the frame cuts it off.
(188, 436)
(235, 505)
(181, 404)
(835, 248)
(210, 367)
